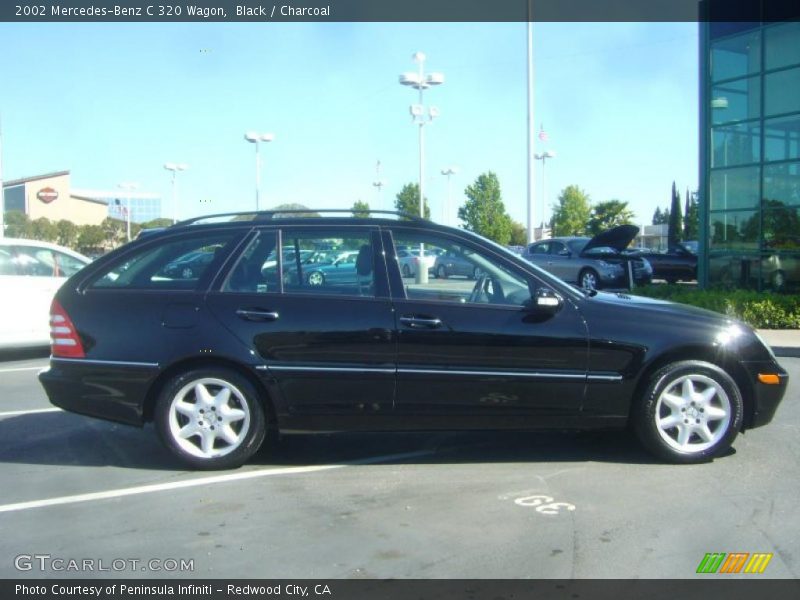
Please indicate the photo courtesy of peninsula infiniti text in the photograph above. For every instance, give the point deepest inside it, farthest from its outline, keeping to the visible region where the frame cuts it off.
(227, 329)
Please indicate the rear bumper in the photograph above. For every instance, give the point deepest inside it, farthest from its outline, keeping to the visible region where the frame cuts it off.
(114, 391)
(766, 397)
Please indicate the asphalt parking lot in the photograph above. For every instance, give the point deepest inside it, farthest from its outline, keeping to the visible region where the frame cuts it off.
(558, 505)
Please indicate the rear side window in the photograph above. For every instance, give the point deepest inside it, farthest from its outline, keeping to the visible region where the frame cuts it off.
(171, 265)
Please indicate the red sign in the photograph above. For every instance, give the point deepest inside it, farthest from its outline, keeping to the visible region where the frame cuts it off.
(47, 195)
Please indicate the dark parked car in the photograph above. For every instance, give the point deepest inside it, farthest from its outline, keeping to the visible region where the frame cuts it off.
(221, 360)
(453, 263)
(189, 265)
(592, 263)
(678, 263)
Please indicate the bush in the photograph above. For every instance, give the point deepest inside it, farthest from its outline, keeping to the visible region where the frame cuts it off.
(763, 310)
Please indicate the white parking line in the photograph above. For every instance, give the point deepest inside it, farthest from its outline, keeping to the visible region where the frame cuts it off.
(16, 369)
(33, 411)
(201, 481)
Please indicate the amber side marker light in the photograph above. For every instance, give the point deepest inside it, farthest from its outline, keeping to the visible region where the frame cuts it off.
(769, 378)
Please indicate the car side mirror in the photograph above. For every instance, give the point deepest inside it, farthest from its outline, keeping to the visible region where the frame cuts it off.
(546, 301)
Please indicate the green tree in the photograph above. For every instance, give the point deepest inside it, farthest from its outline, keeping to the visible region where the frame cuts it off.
(360, 209)
(17, 225)
(407, 201)
(675, 229)
(691, 217)
(294, 206)
(484, 211)
(160, 222)
(606, 215)
(115, 231)
(44, 230)
(572, 213)
(67, 233)
(91, 237)
(519, 234)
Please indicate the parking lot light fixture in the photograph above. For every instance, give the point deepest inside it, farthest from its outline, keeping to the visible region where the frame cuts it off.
(129, 188)
(175, 167)
(256, 138)
(448, 172)
(421, 81)
(543, 156)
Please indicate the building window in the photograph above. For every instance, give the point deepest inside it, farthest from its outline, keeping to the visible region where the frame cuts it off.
(738, 100)
(782, 92)
(733, 189)
(782, 45)
(782, 138)
(735, 230)
(782, 185)
(737, 144)
(736, 56)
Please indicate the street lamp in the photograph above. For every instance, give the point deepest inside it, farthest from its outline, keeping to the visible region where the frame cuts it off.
(543, 157)
(255, 138)
(421, 82)
(129, 187)
(175, 167)
(448, 172)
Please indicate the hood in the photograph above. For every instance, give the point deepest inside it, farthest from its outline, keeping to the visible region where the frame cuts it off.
(617, 237)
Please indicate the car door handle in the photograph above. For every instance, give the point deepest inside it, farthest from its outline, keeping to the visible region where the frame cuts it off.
(252, 314)
(428, 322)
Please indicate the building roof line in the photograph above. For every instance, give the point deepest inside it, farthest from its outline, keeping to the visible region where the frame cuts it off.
(13, 182)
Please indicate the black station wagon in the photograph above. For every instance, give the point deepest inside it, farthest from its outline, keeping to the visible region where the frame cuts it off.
(247, 346)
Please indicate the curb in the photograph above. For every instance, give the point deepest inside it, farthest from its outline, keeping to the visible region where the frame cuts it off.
(786, 351)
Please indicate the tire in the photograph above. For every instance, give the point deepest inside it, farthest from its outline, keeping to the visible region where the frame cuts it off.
(187, 273)
(671, 280)
(406, 271)
(441, 272)
(589, 280)
(691, 412)
(179, 408)
(316, 278)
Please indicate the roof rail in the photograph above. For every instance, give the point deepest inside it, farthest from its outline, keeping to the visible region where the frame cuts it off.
(268, 215)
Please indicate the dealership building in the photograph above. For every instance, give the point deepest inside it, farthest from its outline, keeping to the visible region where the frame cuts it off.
(52, 196)
(750, 147)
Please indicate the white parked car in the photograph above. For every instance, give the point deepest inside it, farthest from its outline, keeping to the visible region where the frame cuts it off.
(30, 274)
(409, 259)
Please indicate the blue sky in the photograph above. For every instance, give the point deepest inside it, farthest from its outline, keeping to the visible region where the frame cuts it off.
(113, 102)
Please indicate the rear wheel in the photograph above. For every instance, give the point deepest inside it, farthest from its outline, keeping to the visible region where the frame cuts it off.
(778, 281)
(690, 412)
(406, 271)
(210, 418)
(441, 272)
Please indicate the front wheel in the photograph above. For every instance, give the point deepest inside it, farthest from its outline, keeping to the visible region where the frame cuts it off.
(210, 418)
(441, 272)
(690, 412)
(316, 278)
(589, 280)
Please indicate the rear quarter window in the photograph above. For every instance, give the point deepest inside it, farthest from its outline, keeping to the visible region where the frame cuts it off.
(171, 264)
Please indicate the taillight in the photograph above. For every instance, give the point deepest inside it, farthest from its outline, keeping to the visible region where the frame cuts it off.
(64, 340)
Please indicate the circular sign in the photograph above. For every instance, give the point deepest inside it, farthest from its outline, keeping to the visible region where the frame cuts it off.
(47, 195)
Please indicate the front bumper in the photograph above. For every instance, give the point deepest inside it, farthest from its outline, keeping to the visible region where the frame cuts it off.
(766, 397)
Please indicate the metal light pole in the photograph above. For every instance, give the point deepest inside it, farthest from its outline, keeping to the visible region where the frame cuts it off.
(2, 190)
(175, 167)
(379, 183)
(543, 157)
(421, 82)
(256, 138)
(448, 172)
(129, 187)
(529, 156)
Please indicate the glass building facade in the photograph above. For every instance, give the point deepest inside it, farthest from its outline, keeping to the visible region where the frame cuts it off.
(750, 150)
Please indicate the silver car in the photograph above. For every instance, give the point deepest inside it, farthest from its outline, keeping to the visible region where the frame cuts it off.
(591, 263)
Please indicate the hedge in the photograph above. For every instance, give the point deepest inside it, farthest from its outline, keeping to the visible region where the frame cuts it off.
(763, 310)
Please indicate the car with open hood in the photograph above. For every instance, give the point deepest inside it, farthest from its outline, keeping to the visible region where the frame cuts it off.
(592, 263)
(238, 352)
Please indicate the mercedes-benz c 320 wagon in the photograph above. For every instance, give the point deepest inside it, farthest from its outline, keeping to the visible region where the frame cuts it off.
(250, 344)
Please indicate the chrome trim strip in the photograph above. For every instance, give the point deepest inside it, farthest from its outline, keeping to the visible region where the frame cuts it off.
(411, 371)
(327, 369)
(494, 373)
(116, 363)
(604, 377)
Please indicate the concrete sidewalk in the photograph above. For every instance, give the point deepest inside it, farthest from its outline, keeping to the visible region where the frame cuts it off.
(784, 342)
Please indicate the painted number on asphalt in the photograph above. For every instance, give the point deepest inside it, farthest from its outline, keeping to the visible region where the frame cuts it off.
(544, 504)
